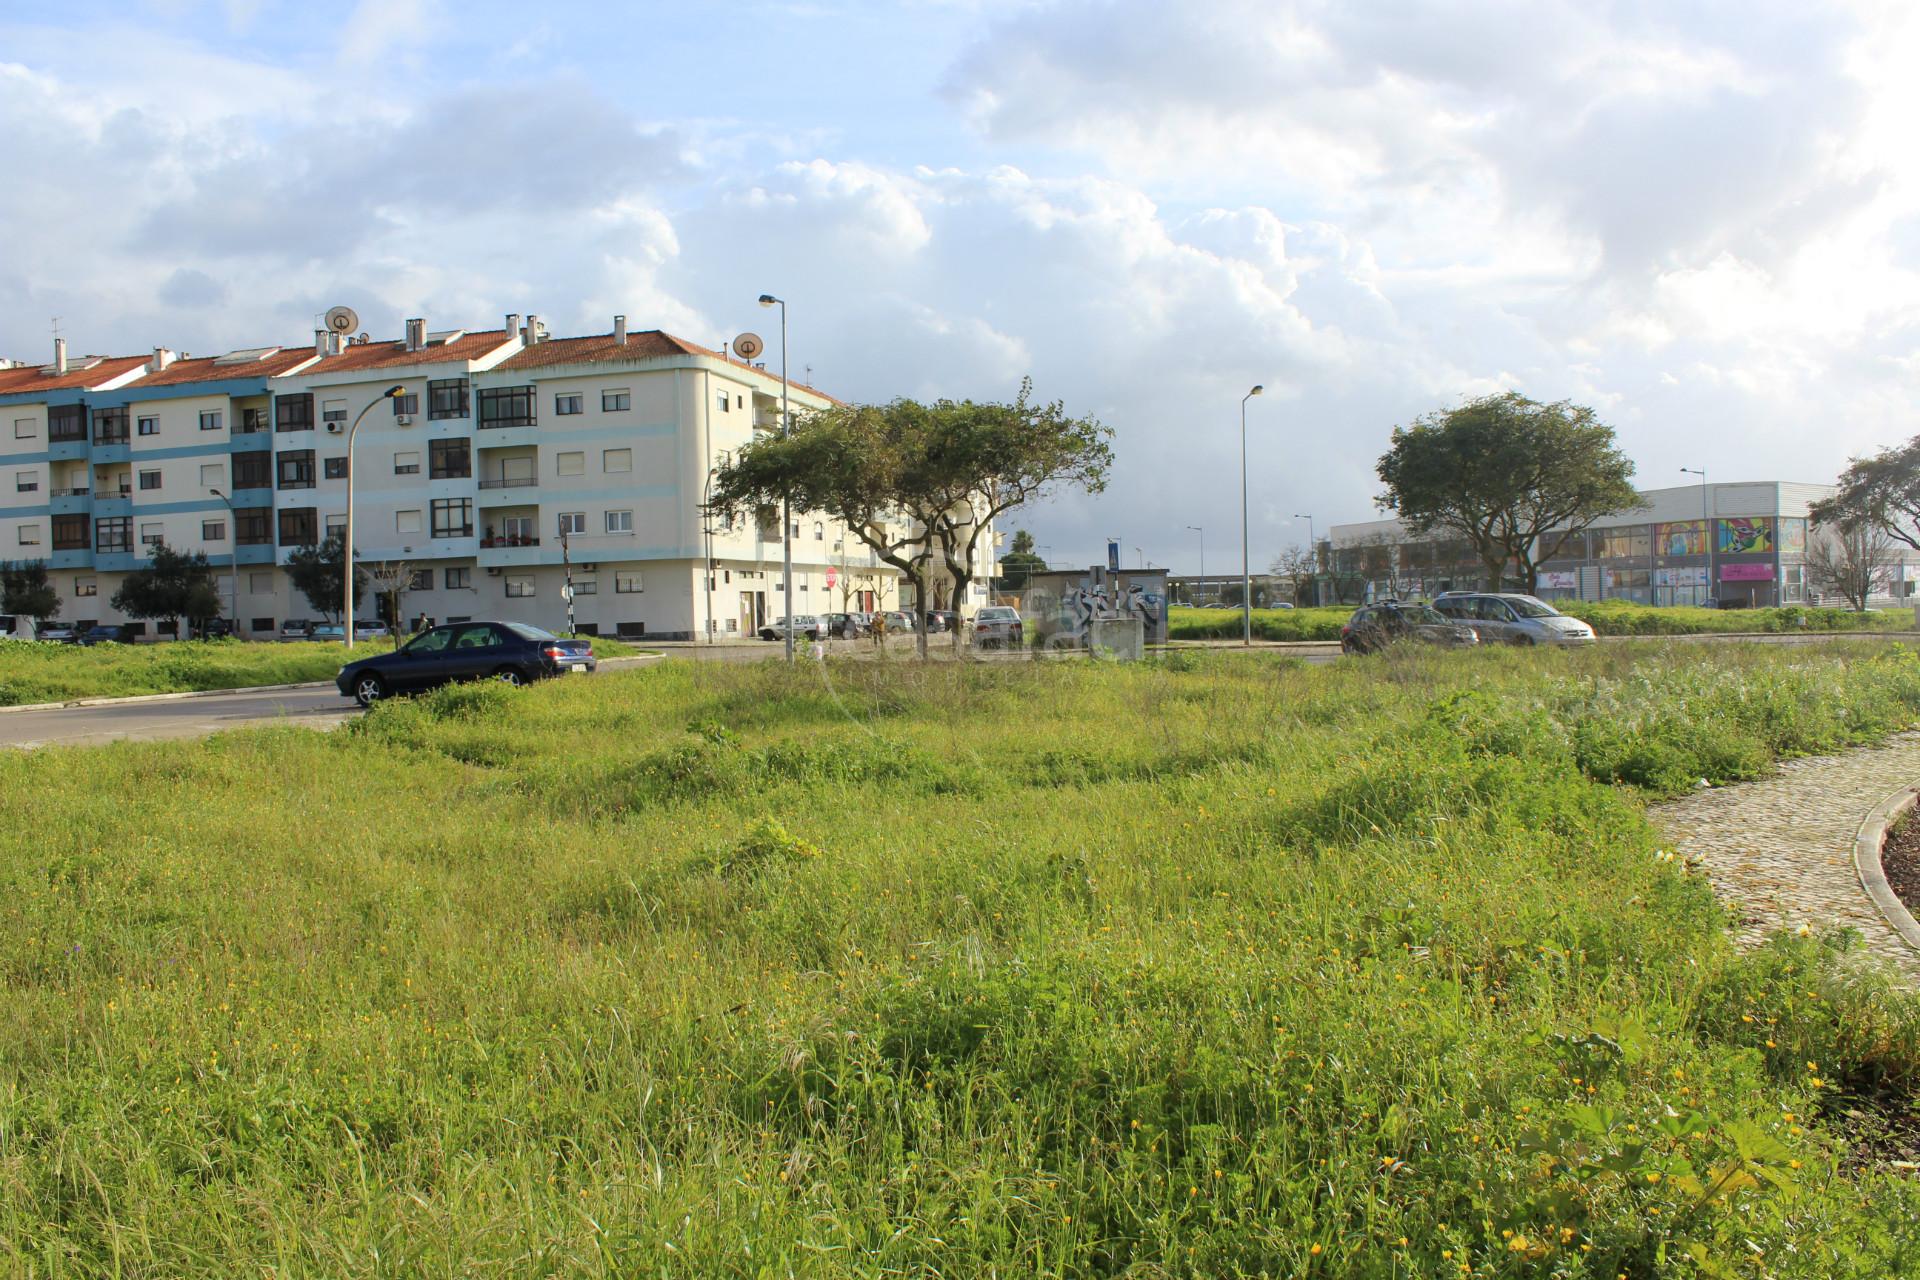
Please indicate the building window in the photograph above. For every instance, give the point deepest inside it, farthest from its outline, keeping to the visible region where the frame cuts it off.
(211, 475)
(252, 471)
(405, 522)
(617, 401)
(406, 404)
(421, 580)
(447, 398)
(1626, 543)
(23, 429)
(149, 480)
(253, 421)
(251, 528)
(458, 579)
(110, 426)
(627, 583)
(298, 527)
(570, 464)
(453, 518)
(616, 460)
(568, 405)
(259, 584)
(619, 522)
(334, 412)
(573, 523)
(519, 586)
(449, 459)
(337, 527)
(518, 531)
(724, 402)
(506, 407)
(66, 422)
(586, 586)
(113, 533)
(149, 426)
(70, 533)
(293, 413)
(334, 468)
(819, 532)
(152, 534)
(86, 587)
(212, 420)
(29, 535)
(26, 481)
(296, 469)
(406, 462)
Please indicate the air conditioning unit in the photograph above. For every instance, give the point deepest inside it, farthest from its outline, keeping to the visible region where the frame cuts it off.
(493, 571)
(403, 419)
(334, 428)
(585, 568)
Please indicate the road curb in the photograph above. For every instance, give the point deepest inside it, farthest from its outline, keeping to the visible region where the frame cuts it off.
(1867, 845)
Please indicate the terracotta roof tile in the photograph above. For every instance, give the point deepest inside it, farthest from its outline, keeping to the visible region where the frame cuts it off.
(645, 344)
(29, 378)
(209, 369)
(391, 355)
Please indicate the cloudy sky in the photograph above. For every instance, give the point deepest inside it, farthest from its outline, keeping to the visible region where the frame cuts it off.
(1703, 218)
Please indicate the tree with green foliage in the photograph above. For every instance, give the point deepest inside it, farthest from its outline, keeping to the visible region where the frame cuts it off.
(1514, 478)
(1882, 491)
(27, 592)
(318, 572)
(1018, 566)
(171, 584)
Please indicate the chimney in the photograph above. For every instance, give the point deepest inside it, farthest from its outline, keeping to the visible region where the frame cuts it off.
(513, 324)
(322, 342)
(59, 355)
(533, 328)
(161, 359)
(619, 331)
(416, 335)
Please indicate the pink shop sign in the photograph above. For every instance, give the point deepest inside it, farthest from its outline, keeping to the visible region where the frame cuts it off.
(1746, 573)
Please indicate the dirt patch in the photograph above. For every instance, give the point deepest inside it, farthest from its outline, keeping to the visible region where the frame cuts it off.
(1877, 1129)
(1900, 861)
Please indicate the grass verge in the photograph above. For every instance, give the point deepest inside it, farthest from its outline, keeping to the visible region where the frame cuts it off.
(1219, 966)
(1609, 618)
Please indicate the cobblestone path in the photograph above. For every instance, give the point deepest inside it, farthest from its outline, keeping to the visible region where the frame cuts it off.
(1781, 850)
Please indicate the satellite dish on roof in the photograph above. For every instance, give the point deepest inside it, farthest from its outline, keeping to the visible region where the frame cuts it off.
(342, 320)
(748, 345)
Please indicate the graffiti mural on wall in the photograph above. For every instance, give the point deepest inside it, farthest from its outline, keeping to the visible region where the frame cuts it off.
(1745, 536)
(1793, 536)
(1683, 538)
(1064, 606)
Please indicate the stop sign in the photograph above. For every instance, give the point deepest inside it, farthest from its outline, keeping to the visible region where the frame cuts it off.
(832, 577)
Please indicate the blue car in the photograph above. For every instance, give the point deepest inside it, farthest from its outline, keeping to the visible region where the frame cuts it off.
(513, 652)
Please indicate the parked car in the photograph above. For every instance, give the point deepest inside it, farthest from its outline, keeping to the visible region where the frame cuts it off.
(512, 652)
(59, 633)
(296, 629)
(942, 620)
(846, 626)
(1512, 618)
(14, 627)
(898, 623)
(333, 631)
(213, 629)
(998, 626)
(1375, 626)
(804, 625)
(106, 633)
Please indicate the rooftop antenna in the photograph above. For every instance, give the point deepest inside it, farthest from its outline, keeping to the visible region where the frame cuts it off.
(56, 326)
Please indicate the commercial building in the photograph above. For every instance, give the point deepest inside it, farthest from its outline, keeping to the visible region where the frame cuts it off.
(508, 463)
(1736, 544)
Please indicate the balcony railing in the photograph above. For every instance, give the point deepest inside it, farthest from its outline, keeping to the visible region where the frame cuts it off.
(110, 437)
(504, 483)
(509, 540)
(70, 493)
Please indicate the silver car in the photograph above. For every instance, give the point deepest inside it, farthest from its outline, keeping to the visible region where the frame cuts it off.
(1511, 618)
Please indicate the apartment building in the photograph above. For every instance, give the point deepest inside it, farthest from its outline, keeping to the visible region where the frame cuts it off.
(509, 464)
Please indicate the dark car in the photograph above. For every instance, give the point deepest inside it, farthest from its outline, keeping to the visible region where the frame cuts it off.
(942, 620)
(1376, 626)
(106, 633)
(512, 652)
(848, 626)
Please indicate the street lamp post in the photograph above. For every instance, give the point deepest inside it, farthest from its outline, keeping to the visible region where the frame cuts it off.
(346, 548)
(1203, 557)
(233, 583)
(786, 504)
(1313, 554)
(1246, 572)
(1706, 521)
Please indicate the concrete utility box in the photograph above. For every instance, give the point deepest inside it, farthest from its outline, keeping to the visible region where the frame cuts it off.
(1122, 639)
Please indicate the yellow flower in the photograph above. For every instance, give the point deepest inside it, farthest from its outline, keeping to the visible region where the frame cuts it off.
(1315, 1251)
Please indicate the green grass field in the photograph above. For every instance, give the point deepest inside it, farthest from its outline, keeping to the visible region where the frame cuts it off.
(1223, 965)
(31, 673)
(1609, 618)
